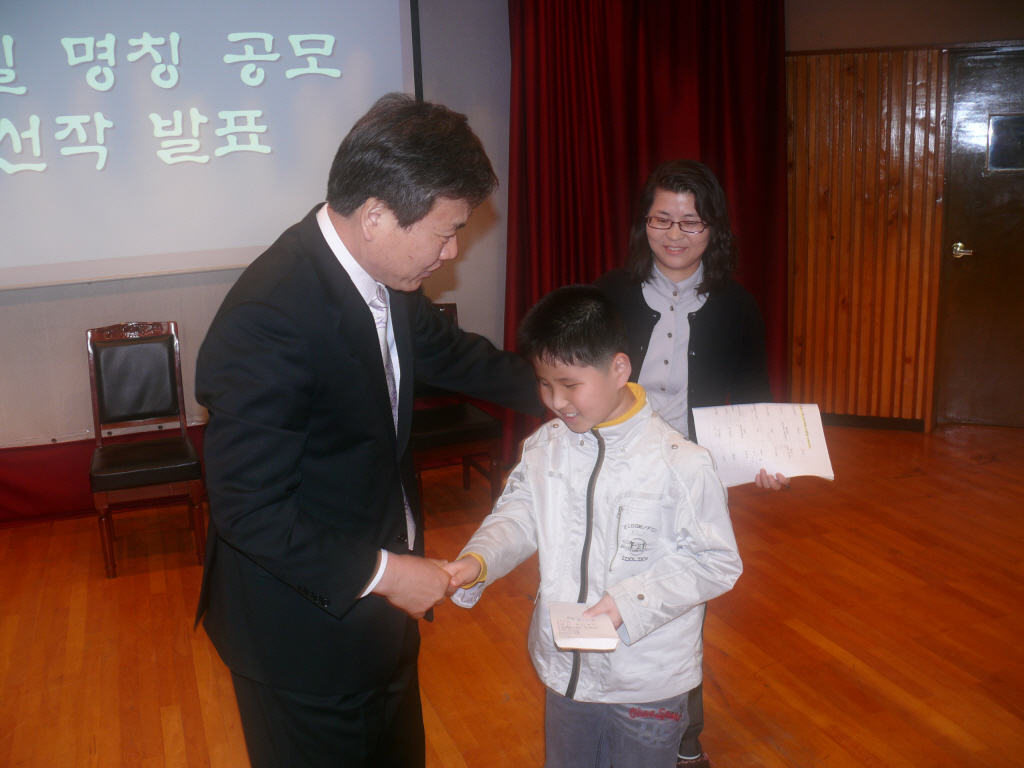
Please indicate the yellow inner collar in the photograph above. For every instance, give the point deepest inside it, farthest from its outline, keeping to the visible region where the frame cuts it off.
(640, 399)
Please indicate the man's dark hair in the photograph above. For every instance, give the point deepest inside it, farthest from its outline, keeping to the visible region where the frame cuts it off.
(574, 325)
(408, 154)
(709, 199)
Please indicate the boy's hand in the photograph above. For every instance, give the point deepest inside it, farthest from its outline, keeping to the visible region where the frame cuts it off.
(465, 570)
(764, 480)
(605, 605)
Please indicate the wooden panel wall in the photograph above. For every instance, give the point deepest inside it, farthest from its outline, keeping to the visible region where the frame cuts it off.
(867, 146)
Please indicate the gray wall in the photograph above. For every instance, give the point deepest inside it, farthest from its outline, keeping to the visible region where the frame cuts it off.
(468, 66)
(828, 24)
(44, 381)
(44, 373)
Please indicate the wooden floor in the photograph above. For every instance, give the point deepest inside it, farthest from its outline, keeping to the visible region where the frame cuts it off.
(879, 622)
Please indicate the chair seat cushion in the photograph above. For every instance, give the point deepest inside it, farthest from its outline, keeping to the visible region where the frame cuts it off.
(450, 425)
(145, 462)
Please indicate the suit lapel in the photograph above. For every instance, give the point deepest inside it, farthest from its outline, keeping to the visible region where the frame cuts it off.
(354, 322)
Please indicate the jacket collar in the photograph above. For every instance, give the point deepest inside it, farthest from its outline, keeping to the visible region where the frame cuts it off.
(623, 433)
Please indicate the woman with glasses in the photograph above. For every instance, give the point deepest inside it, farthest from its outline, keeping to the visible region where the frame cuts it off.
(696, 335)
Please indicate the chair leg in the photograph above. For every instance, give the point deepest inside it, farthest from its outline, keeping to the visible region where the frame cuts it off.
(419, 485)
(106, 533)
(195, 509)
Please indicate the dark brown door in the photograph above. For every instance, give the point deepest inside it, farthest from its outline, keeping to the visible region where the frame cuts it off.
(980, 364)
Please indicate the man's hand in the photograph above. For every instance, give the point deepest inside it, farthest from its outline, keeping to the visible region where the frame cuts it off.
(465, 570)
(764, 480)
(413, 584)
(605, 605)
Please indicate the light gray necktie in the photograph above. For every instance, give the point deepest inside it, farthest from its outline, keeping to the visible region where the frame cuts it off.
(379, 305)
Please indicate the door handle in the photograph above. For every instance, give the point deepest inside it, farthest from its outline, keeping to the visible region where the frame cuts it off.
(959, 251)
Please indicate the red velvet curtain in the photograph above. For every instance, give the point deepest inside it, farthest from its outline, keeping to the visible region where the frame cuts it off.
(602, 93)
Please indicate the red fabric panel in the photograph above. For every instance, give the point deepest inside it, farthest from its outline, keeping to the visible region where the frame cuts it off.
(47, 482)
(743, 140)
(604, 92)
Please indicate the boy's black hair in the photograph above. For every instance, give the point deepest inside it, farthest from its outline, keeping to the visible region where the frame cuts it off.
(574, 325)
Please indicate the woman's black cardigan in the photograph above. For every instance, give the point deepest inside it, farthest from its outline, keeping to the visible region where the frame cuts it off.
(728, 363)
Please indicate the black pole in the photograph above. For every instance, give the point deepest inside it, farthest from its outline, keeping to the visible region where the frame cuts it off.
(417, 62)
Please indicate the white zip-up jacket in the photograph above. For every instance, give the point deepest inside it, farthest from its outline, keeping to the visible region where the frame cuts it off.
(661, 544)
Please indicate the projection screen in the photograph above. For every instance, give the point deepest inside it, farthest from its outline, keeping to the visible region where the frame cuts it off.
(141, 137)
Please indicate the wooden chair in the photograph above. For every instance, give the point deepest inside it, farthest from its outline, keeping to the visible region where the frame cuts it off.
(135, 376)
(446, 426)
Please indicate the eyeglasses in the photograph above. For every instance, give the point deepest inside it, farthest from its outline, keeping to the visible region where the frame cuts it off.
(690, 227)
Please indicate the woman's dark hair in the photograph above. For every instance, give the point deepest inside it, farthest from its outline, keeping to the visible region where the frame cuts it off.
(574, 325)
(408, 154)
(679, 176)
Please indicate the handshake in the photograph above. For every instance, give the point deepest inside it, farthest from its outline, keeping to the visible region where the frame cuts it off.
(416, 584)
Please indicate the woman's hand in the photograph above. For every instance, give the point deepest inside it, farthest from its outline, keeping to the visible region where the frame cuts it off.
(764, 480)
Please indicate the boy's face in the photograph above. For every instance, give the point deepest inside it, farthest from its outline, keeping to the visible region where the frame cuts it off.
(583, 396)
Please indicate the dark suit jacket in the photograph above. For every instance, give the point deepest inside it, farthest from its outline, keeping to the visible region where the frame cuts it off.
(304, 470)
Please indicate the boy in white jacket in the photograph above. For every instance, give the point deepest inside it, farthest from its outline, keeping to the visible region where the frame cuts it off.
(629, 518)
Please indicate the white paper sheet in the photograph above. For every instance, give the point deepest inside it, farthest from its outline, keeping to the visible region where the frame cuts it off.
(780, 437)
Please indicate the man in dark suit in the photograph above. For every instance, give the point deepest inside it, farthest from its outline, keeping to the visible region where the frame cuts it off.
(314, 574)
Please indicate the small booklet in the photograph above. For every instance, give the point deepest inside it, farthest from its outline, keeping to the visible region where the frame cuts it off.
(574, 632)
(781, 437)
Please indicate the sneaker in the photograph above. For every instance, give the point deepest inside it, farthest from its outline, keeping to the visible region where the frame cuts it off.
(694, 762)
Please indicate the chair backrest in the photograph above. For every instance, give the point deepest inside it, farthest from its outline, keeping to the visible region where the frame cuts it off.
(135, 376)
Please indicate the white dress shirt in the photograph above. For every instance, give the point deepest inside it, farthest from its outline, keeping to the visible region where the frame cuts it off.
(365, 284)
